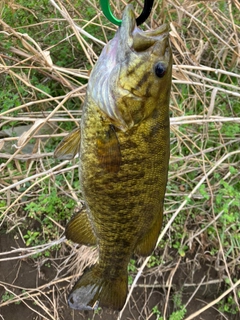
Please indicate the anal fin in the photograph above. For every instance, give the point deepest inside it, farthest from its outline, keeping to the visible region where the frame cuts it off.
(79, 229)
(147, 243)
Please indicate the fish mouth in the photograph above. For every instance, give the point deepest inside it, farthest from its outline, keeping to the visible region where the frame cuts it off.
(139, 41)
(121, 57)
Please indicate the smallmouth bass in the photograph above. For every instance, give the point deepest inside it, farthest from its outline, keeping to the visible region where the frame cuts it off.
(123, 145)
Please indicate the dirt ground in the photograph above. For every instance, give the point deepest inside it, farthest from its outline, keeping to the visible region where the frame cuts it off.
(24, 273)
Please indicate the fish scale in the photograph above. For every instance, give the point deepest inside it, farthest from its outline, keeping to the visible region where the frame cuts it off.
(124, 155)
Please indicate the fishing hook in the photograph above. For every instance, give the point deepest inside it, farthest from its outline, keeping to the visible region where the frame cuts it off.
(148, 4)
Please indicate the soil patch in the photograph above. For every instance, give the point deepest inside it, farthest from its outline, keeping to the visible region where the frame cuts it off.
(152, 290)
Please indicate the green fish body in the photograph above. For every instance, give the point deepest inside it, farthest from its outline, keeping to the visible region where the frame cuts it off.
(124, 156)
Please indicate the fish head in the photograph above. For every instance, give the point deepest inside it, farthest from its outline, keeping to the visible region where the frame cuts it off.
(133, 73)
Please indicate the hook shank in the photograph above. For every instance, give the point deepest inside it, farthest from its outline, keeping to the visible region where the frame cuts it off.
(147, 8)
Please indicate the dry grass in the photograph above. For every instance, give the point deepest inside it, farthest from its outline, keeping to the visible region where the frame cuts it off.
(205, 155)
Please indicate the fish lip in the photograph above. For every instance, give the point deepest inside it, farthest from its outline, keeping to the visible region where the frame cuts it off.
(138, 40)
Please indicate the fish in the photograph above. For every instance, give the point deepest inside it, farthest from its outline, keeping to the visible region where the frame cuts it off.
(123, 143)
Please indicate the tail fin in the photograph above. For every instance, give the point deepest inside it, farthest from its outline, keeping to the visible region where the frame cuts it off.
(93, 290)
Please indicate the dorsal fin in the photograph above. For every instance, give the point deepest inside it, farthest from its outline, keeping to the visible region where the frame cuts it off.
(69, 146)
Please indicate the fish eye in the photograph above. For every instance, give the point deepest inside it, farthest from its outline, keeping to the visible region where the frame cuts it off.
(160, 69)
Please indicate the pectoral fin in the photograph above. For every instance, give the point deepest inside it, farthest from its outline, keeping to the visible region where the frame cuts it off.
(69, 146)
(147, 243)
(79, 229)
(108, 150)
